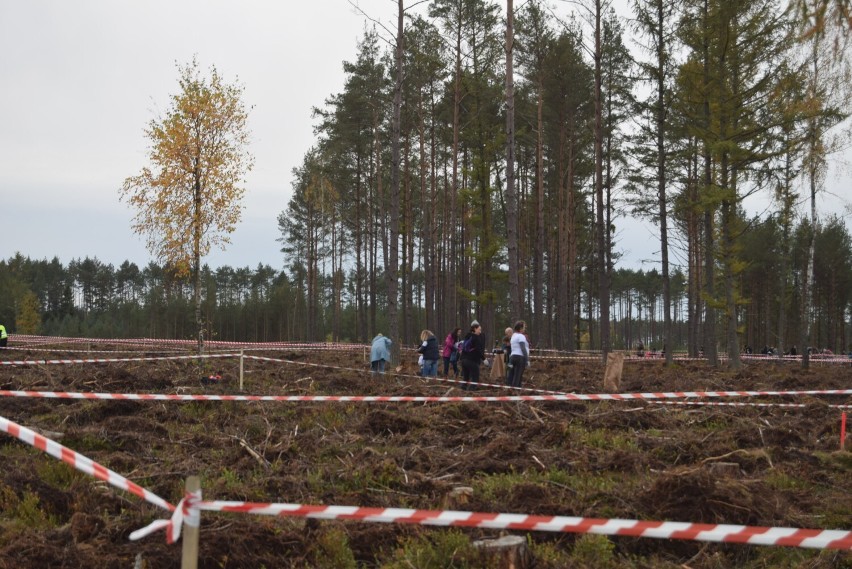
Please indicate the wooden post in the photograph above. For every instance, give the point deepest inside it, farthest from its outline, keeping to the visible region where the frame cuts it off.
(242, 366)
(612, 374)
(190, 531)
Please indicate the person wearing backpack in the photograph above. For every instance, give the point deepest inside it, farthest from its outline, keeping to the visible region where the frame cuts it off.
(451, 353)
(472, 355)
(429, 349)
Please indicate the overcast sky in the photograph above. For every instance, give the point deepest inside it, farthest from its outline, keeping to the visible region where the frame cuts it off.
(80, 80)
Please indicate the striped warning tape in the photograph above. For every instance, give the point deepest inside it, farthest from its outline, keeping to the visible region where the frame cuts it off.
(113, 360)
(80, 462)
(577, 355)
(84, 464)
(68, 351)
(408, 398)
(185, 513)
(738, 404)
(22, 338)
(724, 533)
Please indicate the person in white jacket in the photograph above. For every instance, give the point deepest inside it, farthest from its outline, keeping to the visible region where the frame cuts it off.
(520, 358)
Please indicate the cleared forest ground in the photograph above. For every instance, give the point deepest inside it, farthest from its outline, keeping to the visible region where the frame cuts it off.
(604, 459)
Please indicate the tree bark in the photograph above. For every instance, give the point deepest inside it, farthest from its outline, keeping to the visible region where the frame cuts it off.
(393, 258)
(515, 300)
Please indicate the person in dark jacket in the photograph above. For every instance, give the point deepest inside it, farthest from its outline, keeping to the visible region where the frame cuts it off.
(472, 356)
(429, 349)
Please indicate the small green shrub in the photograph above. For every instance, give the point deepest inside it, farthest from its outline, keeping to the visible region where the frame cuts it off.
(593, 551)
(782, 481)
(231, 479)
(548, 555)
(23, 512)
(332, 550)
(448, 549)
(57, 474)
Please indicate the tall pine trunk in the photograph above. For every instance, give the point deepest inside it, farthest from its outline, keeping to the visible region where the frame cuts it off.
(515, 301)
(393, 258)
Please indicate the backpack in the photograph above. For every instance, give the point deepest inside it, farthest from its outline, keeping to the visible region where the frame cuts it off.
(468, 346)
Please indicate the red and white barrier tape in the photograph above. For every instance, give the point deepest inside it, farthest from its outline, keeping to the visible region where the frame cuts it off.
(20, 338)
(64, 350)
(575, 354)
(723, 533)
(80, 462)
(734, 404)
(185, 513)
(113, 360)
(408, 398)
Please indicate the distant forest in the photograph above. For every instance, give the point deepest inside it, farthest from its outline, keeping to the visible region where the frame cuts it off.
(460, 174)
(88, 298)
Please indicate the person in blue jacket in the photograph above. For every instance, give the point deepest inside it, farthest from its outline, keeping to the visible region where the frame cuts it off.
(379, 354)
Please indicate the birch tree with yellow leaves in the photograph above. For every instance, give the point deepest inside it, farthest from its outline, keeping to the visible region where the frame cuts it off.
(187, 200)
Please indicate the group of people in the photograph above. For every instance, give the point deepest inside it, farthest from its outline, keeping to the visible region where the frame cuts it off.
(468, 352)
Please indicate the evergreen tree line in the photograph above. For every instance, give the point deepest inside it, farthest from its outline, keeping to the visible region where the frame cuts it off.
(88, 298)
(727, 100)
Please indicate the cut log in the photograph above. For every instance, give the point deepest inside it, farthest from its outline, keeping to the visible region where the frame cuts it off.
(724, 469)
(507, 552)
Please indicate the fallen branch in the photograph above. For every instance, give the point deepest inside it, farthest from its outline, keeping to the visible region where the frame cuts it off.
(257, 456)
(738, 451)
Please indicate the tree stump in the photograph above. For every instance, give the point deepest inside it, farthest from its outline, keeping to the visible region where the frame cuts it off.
(507, 552)
(457, 498)
(612, 375)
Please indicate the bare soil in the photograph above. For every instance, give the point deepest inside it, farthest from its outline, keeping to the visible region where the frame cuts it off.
(627, 459)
